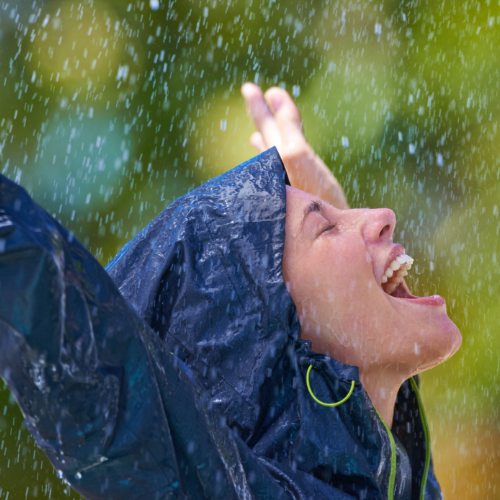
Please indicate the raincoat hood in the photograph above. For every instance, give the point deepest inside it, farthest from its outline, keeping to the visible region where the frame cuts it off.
(206, 276)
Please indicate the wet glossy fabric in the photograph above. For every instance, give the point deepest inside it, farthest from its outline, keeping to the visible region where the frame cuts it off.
(206, 275)
(228, 415)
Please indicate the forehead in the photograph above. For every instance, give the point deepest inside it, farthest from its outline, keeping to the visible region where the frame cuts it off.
(295, 198)
(298, 201)
(298, 205)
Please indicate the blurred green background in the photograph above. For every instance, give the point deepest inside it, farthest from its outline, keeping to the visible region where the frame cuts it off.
(111, 109)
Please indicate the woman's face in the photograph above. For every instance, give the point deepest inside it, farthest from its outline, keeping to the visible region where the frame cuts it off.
(333, 265)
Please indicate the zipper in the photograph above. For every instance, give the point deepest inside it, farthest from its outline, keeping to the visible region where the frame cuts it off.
(392, 476)
(427, 439)
(425, 425)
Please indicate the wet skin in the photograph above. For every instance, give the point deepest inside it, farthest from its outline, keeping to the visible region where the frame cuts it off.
(333, 263)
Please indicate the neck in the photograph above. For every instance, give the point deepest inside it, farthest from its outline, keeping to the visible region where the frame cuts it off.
(382, 385)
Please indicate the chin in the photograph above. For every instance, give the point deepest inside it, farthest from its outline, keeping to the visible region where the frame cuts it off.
(452, 335)
(443, 338)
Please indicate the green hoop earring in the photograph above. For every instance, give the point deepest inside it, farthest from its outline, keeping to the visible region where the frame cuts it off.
(321, 402)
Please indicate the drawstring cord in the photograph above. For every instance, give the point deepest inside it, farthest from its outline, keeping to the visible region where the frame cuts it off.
(425, 425)
(321, 402)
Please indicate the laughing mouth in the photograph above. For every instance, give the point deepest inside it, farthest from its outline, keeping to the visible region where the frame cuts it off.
(393, 278)
(392, 282)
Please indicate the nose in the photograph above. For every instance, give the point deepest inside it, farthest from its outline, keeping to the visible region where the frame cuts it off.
(379, 225)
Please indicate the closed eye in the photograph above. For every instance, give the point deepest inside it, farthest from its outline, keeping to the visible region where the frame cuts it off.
(327, 228)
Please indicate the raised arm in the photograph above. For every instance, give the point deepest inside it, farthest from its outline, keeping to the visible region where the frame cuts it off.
(279, 124)
(118, 415)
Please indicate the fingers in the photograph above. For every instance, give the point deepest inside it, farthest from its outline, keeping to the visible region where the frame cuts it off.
(262, 116)
(278, 123)
(289, 123)
(277, 120)
(257, 142)
(285, 111)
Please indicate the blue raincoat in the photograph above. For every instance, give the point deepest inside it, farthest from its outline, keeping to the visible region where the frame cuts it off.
(180, 373)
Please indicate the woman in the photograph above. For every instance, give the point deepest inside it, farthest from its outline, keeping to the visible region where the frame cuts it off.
(429, 335)
(204, 388)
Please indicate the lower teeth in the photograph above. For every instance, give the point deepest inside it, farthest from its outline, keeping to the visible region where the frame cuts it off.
(394, 282)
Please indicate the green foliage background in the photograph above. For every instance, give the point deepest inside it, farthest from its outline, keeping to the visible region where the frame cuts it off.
(111, 109)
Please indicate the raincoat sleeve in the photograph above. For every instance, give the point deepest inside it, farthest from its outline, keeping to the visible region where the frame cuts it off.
(116, 414)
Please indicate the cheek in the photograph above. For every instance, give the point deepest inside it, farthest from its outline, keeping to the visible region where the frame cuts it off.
(353, 298)
(324, 287)
(348, 276)
(331, 283)
(309, 288)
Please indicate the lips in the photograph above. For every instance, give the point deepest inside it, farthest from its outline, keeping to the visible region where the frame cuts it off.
(402, 293)
(393, 284)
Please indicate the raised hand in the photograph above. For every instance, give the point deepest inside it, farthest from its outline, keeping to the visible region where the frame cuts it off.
(279, 124)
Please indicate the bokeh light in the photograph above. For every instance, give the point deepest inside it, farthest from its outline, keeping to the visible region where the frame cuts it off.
(112, 109)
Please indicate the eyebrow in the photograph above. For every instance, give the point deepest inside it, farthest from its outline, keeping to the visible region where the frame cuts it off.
(314, 206)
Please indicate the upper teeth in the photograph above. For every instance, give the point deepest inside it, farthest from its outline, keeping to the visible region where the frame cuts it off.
(402, 263)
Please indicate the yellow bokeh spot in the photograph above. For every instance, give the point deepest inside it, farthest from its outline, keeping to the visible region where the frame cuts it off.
(78, 43)
(222, 135)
